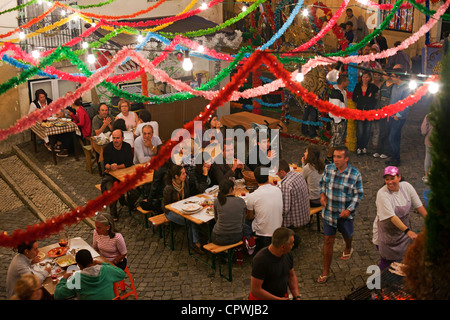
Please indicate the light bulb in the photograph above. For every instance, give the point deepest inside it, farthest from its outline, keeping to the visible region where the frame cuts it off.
(21, 35)
(204, 6)
(244, 8)
(91, 58)
(140, 38)
(187, 64)
(305, 12)
(413, 84)
(63, 12)
(39, 1)
(85, 45)
(433, 87)
(35, 54)
(299, 77)
(201, 48)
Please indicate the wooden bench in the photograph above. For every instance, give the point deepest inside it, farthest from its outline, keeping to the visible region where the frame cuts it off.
(316, 211)
(215, 249)
(146, 214)
(160, 221)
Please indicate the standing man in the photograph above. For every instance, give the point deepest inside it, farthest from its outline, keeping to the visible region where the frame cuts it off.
(350, 17)
(273, 269)
(338, 97)
(341, 191)
(295, 197)
(146, 145)
(400, 90)
(117, 155)
(102, 122)
(264, 209)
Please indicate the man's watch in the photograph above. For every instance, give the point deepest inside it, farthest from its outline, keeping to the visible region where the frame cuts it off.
(297, 297)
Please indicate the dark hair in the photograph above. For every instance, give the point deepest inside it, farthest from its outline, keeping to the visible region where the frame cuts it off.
(39, 92)
(145, 115)
(25, 246)
(259, 177)
(365, 72)
(349, 23)
(283, 165)
(224, 187)
(84, 258)
(102, 104)
(343, 148)
(148, 126)
(172, 172)
(342, 78)
(281, 236)
(119, 124)
(314, 159)
(78, 102)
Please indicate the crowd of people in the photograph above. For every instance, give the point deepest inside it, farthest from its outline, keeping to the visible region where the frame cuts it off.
(269, 217)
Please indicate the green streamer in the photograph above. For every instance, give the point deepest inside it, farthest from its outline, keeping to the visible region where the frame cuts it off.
(227, 23)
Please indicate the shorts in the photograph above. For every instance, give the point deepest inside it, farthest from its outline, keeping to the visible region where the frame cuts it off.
(339, 133)
(344, 226)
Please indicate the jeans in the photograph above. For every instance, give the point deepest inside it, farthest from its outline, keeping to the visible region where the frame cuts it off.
(309, 114)
(194, 233)
(395, 136)
(363, 133)
(383, 138)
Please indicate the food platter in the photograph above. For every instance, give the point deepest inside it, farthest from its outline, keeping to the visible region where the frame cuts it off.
(57, 252)
(41, 256)
(65, 261)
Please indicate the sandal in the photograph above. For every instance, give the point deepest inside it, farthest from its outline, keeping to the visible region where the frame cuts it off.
(323, 279)
(346, 256)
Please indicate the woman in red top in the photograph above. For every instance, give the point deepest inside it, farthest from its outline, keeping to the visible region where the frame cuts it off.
(81, 118)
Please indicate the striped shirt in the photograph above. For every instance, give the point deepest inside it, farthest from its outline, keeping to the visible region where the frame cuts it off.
(295, 200)
(343, 190)
(107, 247)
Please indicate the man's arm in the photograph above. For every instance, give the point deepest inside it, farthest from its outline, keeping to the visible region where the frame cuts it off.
(293, 284)
(258, 292)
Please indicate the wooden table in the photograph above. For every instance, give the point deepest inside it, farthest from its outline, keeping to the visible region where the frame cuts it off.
(74, 243)
(246, 118)
(49, 135)
(120, 174)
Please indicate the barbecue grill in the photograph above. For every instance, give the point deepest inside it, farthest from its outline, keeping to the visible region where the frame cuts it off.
(392, 287)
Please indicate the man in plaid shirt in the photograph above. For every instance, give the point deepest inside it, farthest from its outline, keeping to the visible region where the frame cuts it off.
(295, 197)
(341, 191)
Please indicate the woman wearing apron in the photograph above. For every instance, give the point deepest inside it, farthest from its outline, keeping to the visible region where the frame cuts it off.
(392, 233)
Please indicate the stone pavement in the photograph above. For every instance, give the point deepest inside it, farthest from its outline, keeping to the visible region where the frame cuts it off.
(160, 273)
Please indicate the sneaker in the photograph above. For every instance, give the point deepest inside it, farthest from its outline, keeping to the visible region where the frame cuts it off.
(383, 156)
(250, 245)
(63, 153)
(376, 155)
(364, 150)
(358, 152)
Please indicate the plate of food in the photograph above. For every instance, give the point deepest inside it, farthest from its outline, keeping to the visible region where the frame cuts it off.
(57, 252)
(60, 124)
(52, 118)
(66, 119)
(210, 211)
(65, 261)
(41, 256)
(190, 208)
(46, 124)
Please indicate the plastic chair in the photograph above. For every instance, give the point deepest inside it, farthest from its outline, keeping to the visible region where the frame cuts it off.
(122, 285)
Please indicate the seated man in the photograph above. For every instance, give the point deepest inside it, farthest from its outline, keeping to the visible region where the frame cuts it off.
(146, 145)
(102, 122)
(22, 264)
(116, 155)
(96, 279)
(262, 155)
(265, 208)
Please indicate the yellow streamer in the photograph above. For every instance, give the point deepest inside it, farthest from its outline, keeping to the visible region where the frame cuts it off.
(189, 6)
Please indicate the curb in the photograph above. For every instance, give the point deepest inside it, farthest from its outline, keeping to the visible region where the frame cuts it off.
(49, 183)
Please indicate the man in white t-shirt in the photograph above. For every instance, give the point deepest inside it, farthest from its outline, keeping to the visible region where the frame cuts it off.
(265, 209)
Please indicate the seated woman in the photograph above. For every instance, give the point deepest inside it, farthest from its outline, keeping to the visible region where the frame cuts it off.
(229, 213)
(108, 242)
(312, 171)
(131, 118)
(128, 136)
(177, 189)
